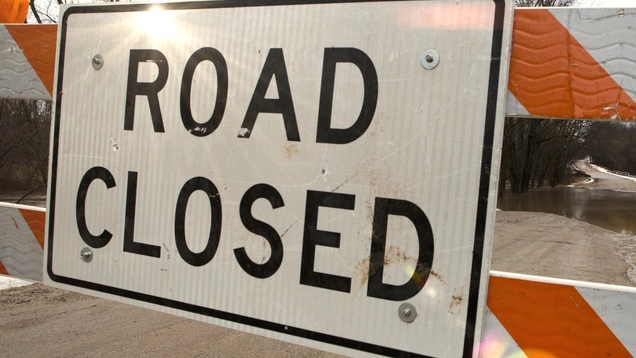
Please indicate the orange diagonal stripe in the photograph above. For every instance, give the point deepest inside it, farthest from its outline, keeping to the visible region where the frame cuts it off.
(35, 220)
(551, 319)
(552, 75)
(3, 270)
(37, 43)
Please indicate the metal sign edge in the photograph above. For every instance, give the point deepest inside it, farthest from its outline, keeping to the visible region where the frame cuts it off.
(482, 208)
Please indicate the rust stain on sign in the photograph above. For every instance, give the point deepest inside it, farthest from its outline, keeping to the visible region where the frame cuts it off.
(291, 150)
(437, 276)
(456, 303)
(394, 255)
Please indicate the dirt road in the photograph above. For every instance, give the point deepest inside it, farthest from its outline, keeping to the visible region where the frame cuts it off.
(38, 321)
(551, 245)
(604, 180)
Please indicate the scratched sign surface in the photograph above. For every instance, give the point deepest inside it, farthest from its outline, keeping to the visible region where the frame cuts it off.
(315, 172)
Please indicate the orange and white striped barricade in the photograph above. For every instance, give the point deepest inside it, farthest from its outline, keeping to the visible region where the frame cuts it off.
(21, 241)
(27, 61)
(531, 316)
(573, 63)
(27, 64)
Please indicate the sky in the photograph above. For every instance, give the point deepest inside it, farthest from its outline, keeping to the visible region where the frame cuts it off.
(607, 3)
(48, 10)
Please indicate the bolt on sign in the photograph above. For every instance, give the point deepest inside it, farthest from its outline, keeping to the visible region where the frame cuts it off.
(316, 172)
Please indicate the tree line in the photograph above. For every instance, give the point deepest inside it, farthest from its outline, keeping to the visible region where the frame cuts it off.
(536, 152)
(611, 145)
(24, 144)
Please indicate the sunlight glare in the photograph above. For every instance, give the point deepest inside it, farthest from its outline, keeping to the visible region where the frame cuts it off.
(157, 22)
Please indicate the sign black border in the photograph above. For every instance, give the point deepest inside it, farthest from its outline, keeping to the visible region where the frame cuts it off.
(482, 206)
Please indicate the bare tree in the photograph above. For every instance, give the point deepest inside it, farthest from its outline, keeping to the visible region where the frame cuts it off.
(543, 3)
(538, 150)
(43, 11)
(46, 11)
(24, 140)
(611, 144)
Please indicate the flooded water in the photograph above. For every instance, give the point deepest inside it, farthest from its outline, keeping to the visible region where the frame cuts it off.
(609, 209)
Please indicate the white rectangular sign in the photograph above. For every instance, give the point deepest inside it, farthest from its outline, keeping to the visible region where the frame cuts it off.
(317, 172)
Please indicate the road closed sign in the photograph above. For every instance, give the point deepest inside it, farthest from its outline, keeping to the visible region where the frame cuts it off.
(322, 173)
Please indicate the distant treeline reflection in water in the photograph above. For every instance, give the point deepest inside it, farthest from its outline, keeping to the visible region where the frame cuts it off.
(609, 209)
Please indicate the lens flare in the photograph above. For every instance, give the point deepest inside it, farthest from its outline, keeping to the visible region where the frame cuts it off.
(157, 22)
(495, 345)
(417, 277)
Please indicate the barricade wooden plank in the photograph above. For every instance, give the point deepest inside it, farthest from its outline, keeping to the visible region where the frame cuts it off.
(3, 270)
(617, 310)
(559, 318)
(27, 61)
(21, 239)
(573, 63)
(37, 43)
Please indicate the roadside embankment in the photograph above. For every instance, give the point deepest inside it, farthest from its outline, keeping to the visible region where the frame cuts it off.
(603, 179)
